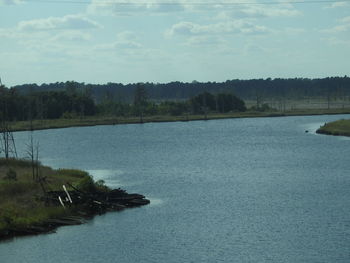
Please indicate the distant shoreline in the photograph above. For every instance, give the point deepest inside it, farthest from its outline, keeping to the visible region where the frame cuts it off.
(116, 120)
(336, 128)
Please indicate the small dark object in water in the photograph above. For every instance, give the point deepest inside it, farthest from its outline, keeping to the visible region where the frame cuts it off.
(306, 131)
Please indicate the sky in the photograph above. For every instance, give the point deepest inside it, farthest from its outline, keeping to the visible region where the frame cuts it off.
(129, 41)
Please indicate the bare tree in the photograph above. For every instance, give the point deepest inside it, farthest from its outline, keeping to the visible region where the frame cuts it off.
(8, 146)
(33, 156)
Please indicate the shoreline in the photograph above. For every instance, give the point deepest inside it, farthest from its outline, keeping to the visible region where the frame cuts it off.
(110, 120)
(57, 198)
(336, 128)
(79, 215)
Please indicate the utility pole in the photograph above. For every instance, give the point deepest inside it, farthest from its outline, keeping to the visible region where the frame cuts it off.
(7, 142)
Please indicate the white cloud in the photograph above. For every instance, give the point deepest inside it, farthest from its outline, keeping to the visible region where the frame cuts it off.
(10, 2)
(345, 19)
(8, 33)
(258, 11)
(71, 36)
(239, 8)
(264, 11)
(126, 36)
(70, 22)
(338, 29)
(336, 5)
(130, 7)
(294, 31)
(334, 41)
(229, 27)
(125, 40)
(208, 41)
(253, 48)
(342, 27)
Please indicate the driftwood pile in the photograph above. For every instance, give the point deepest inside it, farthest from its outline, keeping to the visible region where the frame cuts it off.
(95, 202)
(80, 206)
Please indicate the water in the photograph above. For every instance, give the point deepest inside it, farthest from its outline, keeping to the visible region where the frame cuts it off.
(239, 190)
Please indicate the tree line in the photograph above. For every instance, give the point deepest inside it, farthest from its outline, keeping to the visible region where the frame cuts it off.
(15, 106)
(200, 104)
(73, 102)
(254, 89)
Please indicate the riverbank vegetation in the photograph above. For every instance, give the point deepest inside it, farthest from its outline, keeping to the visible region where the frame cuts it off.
(340, 127)
(114, 120)
(70, 104)
(55, 198)
(21, 197)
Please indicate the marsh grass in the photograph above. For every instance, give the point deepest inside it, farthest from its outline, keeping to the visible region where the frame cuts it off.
(21, 202)
(340, 127)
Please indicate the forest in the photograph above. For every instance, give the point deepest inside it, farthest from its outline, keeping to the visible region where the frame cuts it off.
(75, 100)
(296, 88)
(71, 103)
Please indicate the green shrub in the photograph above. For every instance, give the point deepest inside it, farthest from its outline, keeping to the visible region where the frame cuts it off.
(87, 184)
(100, 186)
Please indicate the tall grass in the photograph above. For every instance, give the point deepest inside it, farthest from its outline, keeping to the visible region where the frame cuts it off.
(21, 202)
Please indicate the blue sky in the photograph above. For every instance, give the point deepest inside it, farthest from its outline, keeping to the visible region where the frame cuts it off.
(129, 41)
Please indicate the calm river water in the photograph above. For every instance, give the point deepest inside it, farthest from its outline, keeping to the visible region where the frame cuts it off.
(238, 190)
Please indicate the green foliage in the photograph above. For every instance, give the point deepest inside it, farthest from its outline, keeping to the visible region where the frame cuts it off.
(15, 188)
(263, 108)
(112, 108)
(11, 175)
(173, 108)
(101, 187)
(340, 127)
(87, 184)
(221, 102)
(44, 104)
(72, 173)
(229, 102)
(176, 90)
(15, 162)
(14, 217)
(140, 97)
(21, 202)
(203, 102)
(69, 115)
(71, 100)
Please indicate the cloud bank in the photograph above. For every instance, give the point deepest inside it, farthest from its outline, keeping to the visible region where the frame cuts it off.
(71, 22)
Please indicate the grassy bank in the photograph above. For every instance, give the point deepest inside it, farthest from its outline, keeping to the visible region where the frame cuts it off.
(29, 206)
(340, 127)
(21, 198)
(113, 120)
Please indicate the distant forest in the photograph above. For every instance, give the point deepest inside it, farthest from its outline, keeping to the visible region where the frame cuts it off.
(76, 100)
(73, 102)
(255, 89)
